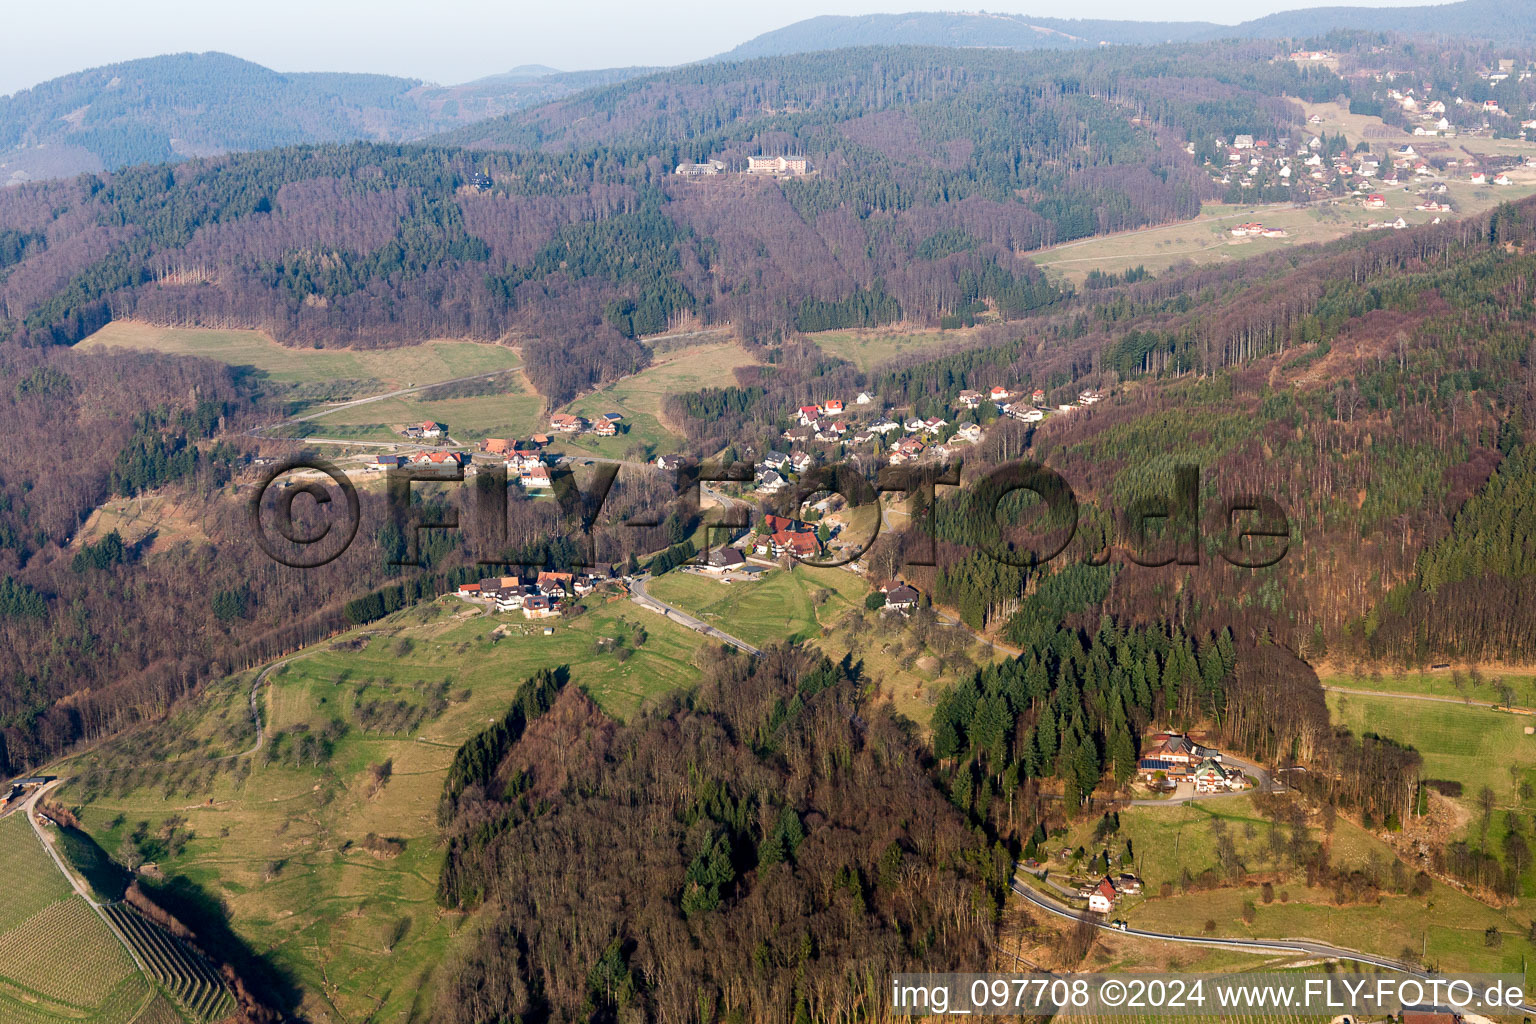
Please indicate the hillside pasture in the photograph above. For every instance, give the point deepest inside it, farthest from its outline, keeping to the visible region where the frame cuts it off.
(328, 870)
(640, 398)
(388, 368)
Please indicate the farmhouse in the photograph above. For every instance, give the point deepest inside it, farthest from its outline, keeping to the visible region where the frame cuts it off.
(900, 596)
(606, 428)
(565, 423)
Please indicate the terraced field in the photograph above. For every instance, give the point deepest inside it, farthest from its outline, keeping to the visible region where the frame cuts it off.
(189, 978)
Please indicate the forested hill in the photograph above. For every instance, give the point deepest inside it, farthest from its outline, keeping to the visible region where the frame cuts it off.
(934, 170)
(962, 28)
(198, 104)
(1470, 19)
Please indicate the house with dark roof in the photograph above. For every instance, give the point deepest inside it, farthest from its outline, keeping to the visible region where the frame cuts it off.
(724, 559)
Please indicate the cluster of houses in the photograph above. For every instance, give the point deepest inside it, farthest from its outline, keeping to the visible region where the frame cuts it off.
(540, 599)
(607, 425)
(522, 459)
(1318, 169)
(861, 422)
(1171, 758)
(788, 165)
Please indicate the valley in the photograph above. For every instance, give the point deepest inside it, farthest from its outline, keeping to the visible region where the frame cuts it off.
(542, 741)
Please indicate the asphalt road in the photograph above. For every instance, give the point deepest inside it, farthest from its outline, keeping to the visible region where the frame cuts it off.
(638, 595)
(1264, 945)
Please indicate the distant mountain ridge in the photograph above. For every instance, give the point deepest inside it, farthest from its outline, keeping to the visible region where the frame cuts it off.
(1473, 19)
(200, 104)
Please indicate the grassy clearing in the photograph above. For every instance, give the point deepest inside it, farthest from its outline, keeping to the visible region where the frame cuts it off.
(817, 606)
(390, 367)
(515, 414)
(279, 839)
(1472, 745)
(869, 348)
(639, 399)
(1207, 238)
(1454, 685)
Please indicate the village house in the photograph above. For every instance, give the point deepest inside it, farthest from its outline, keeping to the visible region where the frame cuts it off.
(1090, 397)
(865, 398)
(606, 428)
(497, 446)
(534, 477)
(999, 394)
(971, 432)
(908, 449)
(769, 481)
(1102, 897)
(429, 429)
(1211, 777)
(565, 423)
(723, 560)
(670, 463)
(1037, 396)
(1027, 415)
(832, 407)
(800, 462)
(970, 399)
(774, 460)
(899, 596)
(799, 545)
(883, 427)
(536, 606)
(554, 584)
(383, 462)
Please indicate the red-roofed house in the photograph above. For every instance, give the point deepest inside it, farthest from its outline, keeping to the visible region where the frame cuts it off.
(1102, 899)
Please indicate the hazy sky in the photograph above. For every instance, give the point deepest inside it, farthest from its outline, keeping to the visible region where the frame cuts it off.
(451, 41)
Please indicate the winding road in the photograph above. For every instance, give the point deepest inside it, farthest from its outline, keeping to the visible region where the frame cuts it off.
(1307, 946)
